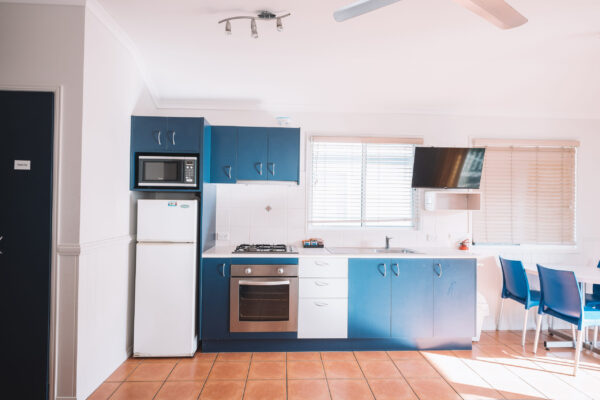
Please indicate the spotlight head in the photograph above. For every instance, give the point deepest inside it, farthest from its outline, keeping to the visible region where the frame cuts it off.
(254, 31)
(228, 28)
(279, 24)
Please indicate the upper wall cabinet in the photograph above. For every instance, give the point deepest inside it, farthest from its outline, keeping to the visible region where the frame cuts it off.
(255, 154)
(162, 134)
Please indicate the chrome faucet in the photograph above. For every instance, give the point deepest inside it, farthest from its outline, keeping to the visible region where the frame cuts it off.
(387, 242)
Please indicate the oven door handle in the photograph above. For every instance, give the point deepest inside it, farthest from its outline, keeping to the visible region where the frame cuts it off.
(264, 283)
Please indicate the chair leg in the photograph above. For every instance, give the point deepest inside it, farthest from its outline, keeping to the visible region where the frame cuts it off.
(524, 328)
(573, 335)
(538, 327)
(596, 336)
(578, 350)
(500, 314)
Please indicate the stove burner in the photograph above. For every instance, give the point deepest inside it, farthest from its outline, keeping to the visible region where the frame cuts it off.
(263, 248)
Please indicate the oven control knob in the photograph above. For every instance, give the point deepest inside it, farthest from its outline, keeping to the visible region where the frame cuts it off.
(248, 271)
(280, 271)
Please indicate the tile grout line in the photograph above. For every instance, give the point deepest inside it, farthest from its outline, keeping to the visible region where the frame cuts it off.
(166, 377)
(363, 372)
(477, 373)
(441, 376)
(402, 375)
(207, 375)
(247, 375)
(124, 380)
(325, 373)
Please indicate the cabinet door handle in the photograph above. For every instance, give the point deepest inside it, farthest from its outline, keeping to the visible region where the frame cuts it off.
(223, 270)
(157, 133)
(228, 168)
(397, 273)
(260, 169)
(173, 137)
(384, 269)
(439, 274)
(321, 304)
(272, 164)
(319, 283)
(321, 263)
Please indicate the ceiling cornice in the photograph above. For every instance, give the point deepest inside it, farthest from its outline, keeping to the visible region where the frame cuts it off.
(48, 2)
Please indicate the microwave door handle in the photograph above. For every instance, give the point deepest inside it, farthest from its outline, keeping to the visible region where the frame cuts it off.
(263, 283)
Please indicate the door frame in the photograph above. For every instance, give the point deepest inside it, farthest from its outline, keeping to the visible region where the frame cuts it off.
(57, 133)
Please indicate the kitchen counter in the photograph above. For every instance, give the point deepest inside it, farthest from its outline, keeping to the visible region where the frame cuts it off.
(422, 252)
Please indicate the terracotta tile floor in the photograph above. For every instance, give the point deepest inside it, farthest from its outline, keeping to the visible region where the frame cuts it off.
(497, 368)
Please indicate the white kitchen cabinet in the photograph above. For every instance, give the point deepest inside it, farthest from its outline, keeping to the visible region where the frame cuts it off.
(324, 318)
(323, 267)
(323, 288)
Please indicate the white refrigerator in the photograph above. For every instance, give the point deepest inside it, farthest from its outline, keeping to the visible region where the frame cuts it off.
(165, 278)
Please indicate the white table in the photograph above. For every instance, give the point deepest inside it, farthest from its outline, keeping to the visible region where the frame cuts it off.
(585, 276)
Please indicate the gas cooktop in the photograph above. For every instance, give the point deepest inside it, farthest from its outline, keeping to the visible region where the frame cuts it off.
(265, 248)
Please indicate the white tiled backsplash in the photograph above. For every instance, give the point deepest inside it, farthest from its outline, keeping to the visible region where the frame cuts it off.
(276, 213)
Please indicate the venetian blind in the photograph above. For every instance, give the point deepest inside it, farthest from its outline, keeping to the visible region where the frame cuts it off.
(362, 182)
(528, 196)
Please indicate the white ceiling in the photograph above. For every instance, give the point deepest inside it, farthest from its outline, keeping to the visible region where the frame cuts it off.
(423, 56)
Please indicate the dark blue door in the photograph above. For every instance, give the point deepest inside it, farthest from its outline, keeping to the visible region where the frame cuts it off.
(369, 291)
(184, 135)
(252, 153)
(412, 298)
(223, 163)
(215, 298)
(148, 134)
(284, 154)
(454, 297)
(26, 151)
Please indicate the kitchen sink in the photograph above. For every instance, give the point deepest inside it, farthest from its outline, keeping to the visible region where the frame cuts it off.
(370, 250)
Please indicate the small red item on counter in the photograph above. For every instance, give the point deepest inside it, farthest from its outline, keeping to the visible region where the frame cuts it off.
(464, 245)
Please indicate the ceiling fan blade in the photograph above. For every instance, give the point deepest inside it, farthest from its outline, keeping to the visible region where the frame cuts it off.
(498, 12)
(359, 8)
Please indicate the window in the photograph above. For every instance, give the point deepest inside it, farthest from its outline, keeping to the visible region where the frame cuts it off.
(528, 194)
(362, 182)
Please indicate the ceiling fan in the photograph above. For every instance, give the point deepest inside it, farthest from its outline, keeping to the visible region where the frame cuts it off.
(498, 12)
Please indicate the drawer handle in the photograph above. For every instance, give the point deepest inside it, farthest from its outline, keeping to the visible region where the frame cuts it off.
(319, 283)
(321, 304)
(321, 263)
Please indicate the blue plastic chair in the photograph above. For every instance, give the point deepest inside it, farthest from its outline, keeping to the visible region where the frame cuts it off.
(595, 296)
(515, 286)
(562, 298)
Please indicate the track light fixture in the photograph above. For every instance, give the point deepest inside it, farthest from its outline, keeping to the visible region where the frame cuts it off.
(261, 16)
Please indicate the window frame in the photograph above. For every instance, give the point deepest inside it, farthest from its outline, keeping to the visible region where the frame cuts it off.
(413, 141)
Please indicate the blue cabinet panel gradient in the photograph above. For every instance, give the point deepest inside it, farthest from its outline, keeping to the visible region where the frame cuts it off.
(223, 163)
(148, 134)
(184, 135)
(284, 154)
(215, 298)
(369, 294)
(252, 153)
(412, 297)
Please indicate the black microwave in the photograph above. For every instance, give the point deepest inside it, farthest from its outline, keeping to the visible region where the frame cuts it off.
(166, 171)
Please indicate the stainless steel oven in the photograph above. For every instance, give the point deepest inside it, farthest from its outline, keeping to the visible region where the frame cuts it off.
(161, 171)
(263, 298)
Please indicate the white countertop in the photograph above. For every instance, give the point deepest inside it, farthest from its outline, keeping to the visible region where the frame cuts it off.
(423, 252)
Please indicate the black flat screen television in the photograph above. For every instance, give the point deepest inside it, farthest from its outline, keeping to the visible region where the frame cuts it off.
(447, 167)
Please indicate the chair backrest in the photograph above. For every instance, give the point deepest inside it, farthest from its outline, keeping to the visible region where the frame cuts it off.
(596, 287)
(514, 278)
(560, 292)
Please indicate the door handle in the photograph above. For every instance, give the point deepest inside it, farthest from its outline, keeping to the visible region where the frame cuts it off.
(223, 270)
(439, 274)
(158, 133)
(228, 168)
(260, 169)
(321, 263)
(173, 137)
(272, 168)
(319, 283)
(320, 304)
(397, 266)
(267, 283)
(384, 269)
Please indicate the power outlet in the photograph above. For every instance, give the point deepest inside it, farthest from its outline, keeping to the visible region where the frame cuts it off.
(222, 235)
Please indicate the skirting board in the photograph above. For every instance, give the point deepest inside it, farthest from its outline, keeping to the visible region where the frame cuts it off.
(335, 344)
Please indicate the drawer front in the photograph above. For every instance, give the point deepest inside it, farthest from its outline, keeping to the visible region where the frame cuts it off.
(322, 318)
(323, 287)
(323, 267)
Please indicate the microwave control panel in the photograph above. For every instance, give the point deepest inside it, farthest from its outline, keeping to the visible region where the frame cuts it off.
(190, 171)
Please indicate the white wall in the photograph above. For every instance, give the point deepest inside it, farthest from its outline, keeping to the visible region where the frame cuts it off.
(112, 86)
(241, 208)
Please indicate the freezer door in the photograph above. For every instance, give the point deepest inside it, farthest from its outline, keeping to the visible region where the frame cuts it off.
(167, 220)
(165, 300)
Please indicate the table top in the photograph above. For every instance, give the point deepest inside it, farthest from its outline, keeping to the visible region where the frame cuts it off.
(583, 274)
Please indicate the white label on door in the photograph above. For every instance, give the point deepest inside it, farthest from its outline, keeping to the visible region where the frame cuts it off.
(23, 164)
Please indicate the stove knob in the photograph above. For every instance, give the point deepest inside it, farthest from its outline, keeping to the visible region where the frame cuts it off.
(248, 271)
(280, 271)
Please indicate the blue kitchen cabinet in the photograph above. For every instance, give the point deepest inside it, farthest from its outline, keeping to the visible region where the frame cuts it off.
(215, 298)
(454, 297)
(148, 134)
(184, 135)
(223, 163)
(284, 154)
(369, 292)
(412, 298)
(252, 153)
